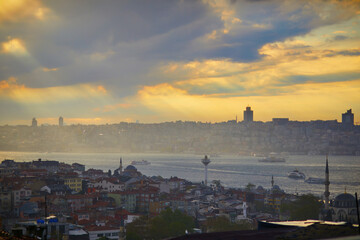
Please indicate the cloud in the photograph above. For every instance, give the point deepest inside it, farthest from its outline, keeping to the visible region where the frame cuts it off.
(18, 10)
(49, 69)
(97, 59)
(14, 46)
(338, 38)
(20, 93)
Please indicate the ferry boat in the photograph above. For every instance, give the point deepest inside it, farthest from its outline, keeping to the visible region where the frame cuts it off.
(296, 174)
(142, 162)
(273, 157)
(312, 180)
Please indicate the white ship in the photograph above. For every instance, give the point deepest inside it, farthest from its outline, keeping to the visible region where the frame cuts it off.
(142, 162)
(296, 174)
(312, 180)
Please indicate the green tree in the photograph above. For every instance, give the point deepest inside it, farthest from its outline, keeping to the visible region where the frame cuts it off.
(170, 224)
(138, 229)
(223, 224)
(249, 187)
(305, 207)
(167, 224)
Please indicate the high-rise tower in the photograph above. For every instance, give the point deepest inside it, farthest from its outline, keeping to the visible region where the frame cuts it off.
(34, 122)
(348, 118)
(61, 121)
(327, 183)
(206, 162)
(248, 115)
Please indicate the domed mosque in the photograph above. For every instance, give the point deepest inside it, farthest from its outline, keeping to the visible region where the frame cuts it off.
(342, 208)
(131, 171)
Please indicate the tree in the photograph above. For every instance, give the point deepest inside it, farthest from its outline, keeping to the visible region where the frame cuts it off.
(167, 224)
(305, 207)
(138, 229)
(223, 224)
(249, 187)
(170, 224)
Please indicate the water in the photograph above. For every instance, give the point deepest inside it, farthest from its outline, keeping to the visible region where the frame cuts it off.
(232, 171)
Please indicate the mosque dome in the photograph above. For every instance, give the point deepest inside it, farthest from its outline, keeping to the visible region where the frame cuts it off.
(130, 168)
(344, 200)
(276, 187)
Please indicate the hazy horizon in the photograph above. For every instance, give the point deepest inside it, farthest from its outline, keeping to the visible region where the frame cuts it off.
(69, 122)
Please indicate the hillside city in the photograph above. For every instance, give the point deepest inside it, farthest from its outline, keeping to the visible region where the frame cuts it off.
(49, 199)
(245, 137)
(46, 198)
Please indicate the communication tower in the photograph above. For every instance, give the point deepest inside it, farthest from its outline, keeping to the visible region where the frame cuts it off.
(206, 162)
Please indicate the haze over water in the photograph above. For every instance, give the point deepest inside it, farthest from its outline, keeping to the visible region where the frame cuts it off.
(231, 170)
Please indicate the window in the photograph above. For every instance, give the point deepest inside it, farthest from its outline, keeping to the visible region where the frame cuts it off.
(100, 235)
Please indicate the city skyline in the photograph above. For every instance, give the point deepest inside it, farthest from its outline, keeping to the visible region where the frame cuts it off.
(62, 122)
(164, 61)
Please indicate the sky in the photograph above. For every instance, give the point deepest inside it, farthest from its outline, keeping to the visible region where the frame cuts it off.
(97, 62)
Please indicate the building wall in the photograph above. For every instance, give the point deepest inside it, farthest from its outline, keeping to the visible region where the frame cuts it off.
(5, 201)
(109, 234)
(74, 184)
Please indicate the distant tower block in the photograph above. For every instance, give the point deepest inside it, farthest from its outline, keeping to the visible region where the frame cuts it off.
(248, 115)
(206, 162)
(327, 183)
(348, 118)
(61, 121)
(34, 122)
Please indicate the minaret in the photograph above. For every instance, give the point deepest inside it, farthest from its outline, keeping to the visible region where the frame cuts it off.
(327, 183)
(272, 181)
(206, 162)
(120, 167)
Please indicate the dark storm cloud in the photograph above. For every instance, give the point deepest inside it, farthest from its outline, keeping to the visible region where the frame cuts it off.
(324, 78)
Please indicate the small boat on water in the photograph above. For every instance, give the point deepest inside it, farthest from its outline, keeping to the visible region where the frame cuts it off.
(296, 174)
(142, 162)
(273, 158)
(312, 180)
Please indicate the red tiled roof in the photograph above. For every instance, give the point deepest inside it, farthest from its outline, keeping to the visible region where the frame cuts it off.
(122, 212)
(100, 228)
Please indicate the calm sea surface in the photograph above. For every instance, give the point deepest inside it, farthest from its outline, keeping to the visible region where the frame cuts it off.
(232, 171)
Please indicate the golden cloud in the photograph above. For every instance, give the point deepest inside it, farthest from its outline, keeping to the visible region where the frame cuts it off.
(225, 11)
(20, 93)
(14, 46)
(50, 69)
(16, 10)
